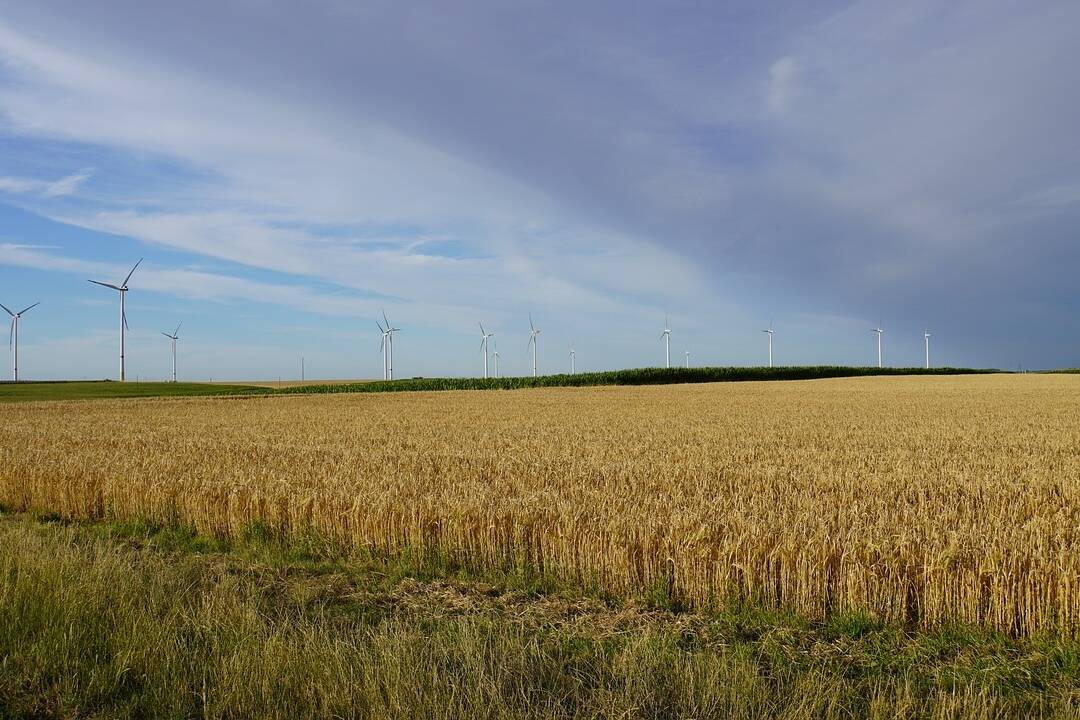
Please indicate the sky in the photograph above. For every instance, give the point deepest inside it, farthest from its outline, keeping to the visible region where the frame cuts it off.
(291, 170)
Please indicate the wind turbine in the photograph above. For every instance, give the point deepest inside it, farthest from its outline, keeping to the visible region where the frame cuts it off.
(533, 332)
(687, 353)
(926, 342)
(573, 357)
(879, 332)
(174, 336)
(13, 336)
(484, 346)
(389, 333)
(122, 289)
(770, 332)
(495, 354)
(666, 336)
(383, 345)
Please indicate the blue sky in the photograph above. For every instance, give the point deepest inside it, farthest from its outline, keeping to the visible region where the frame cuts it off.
(289, 170)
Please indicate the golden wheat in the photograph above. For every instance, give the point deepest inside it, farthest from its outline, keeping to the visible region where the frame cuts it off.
(923, 500)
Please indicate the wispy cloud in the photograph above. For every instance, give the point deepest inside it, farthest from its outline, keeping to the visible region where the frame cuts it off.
(193, 284)
(67, 185)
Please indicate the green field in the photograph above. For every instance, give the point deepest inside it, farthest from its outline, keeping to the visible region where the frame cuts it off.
(75, 390)
(80, 390)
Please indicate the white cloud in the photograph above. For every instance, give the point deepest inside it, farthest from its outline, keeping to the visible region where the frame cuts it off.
(783, 75)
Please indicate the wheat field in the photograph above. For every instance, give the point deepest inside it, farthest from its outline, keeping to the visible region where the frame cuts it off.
(921, 500)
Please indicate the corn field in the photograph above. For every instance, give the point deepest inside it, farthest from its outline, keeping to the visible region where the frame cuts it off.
(921, 500)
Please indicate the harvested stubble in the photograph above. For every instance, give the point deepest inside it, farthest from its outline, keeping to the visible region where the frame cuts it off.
(923, 500)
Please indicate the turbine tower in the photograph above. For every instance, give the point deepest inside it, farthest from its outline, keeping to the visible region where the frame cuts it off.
(687, 353)
(926, 342)
(174, 336)
(666, 337)
(122, 289)
(533, 333)
(495, 354)
(573, 357)
(484, 346)
(879, 332)
(13, 336)
(770, 332)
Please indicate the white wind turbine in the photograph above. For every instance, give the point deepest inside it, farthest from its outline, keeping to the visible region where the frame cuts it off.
(770, 332)
(573, 358)
(687, 353)
(495, 354)
(13, 336)
(382, 347)
(879, 332)
(122, 289)
(926, 342)
(174, 336)
(387, 347)
(666, 337)
(484, 346)
(533, 333)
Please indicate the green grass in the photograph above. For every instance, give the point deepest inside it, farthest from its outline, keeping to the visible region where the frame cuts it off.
(102, 389)
(134, 620)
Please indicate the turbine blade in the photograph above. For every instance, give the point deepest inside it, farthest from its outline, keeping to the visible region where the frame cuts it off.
(168, 335)
(384, 319)
(2, 305)
(11, 334)
(383, 331)
(126, 322)
(176, 332)
(29, 308)
(132, 272)
(481, 328)
(108, 285)
(531, 326)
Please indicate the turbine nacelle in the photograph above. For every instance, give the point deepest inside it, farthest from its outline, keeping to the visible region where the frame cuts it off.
(174, 335)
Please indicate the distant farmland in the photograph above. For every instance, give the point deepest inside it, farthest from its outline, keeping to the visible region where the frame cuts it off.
(80, 390)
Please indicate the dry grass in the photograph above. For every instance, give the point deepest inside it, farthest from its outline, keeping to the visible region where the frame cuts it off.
(923, 500)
